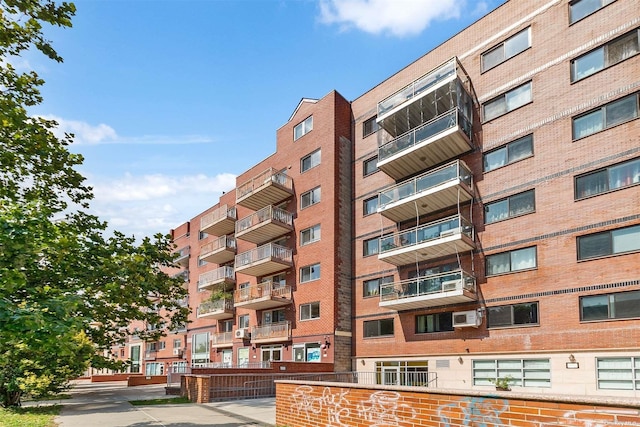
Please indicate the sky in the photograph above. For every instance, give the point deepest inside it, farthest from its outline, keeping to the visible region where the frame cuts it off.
(169, 100)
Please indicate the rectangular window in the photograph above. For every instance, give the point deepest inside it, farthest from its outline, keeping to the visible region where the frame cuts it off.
(310, 311)
(440, 322)
(508, 101)
(310, 235)
(371, 288)
(578, 9)
(177, 343)
(202, 235)
(309, 273)
(310, 198)
(273, 316)
(370, 246)
(516, 150)
(370, 206)
(200, 344)
(310, 161)
(510, 207)
(162, 345)
(621, 305)
(512, 315)
(506, 262)
(369, 126)
(618, 373)
(507, 49)
(612, 242)
(370, 166)
(608, 179)
(303, 128)
(611, 53)
(378, 328)
(525, 372)
(243, 321)
(606, 116)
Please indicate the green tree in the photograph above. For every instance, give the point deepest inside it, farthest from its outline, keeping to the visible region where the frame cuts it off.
(68, 292)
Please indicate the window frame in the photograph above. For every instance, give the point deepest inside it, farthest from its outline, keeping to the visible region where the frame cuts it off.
(602, 109)
(368, 251)
(379, 328)
(633, 178)
(311, 156)
(512, 315)
(310, 306)
(507, 147)
(312, 233)
(370, 160)
(502, 46)
(603, 3)
(305, 127)
(434, 316)
(374, 126)
(243, 321)
(632, 370)
(508, 200)
(610, 302)
(505, 98)
(606, 57)
(365, 211)
(511, 253)
(377, 292)
(311, 273)
(516, 368)
(611, 251)
(312, 197)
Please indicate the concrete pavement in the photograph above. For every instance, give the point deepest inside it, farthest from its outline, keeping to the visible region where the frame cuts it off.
(107, 405)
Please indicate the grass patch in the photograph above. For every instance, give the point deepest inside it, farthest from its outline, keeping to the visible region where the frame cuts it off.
(168, 401)
(34, 416)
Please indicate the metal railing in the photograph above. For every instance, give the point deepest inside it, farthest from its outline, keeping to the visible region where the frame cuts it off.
(271, 331)
(175, 373)
(453, 171)
(244, 365)
(222, 242)
(428, 285)
(222, 212)
(270, 250)
(216, 276)
(268, 213)
(271, 175)
(427, 232)
(221, 338)
(264, 289)
(213, 306)
(182, 253)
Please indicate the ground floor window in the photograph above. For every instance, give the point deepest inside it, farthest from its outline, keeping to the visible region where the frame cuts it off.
(524, 372)
(154, 369)
(618, 373)
(309, 352)
(271, 353)
(134, 357)
(243, 356)
(410, 373)
(179, 367)
(200, 348)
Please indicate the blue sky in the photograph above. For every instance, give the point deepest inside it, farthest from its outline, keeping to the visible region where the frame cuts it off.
(170, 99)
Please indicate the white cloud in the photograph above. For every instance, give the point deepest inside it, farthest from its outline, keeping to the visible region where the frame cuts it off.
(397, 17)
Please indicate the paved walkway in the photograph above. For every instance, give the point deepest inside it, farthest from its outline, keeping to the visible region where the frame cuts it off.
(107, 405)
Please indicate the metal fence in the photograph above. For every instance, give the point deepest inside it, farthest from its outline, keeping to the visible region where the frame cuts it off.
(175, 373)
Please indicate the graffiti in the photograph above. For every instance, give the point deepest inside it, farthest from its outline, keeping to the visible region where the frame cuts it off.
(334, 403)
(476, 411)
(581, 418)
(384, 408)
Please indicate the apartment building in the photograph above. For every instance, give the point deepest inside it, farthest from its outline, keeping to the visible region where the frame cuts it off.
(476, 215)
(497, 206)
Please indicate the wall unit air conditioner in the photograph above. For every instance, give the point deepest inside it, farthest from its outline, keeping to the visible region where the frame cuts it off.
(451, 232)
(465, 319)
(451, 285)
(177, 352)
(242, 333)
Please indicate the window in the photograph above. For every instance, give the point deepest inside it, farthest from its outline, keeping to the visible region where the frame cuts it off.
(578, 9)
(621, 305)
(512, 315)
(177, 343)
(369, 126)
(378, 328)
(506, 102)
(309, 352)
(505, 262)
(512, 152)
(310, 311)
(309, 198)
(303, 128)
(154, 368)
(618, 373)
(162, 345)
(613, 52)
(608, 179)
(610, 242)
(370, 206)
(202, 235)
(273, 316)
(606, 116)
(310, 161)
(370, 246)
(370, 166)
(371, 288)
(152, 346)
(403, 372)
(200, 348)
(310, 235)
(202, 262)
(440, 322)
(310, 273)
(243, 321)
(525, 372)
(512, 206)
(507, 49)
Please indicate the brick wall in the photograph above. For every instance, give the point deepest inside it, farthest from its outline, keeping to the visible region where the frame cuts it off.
(146, 380)
(331, 404)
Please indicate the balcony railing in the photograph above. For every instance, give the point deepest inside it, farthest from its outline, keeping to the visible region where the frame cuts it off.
(219, 222)
(262, 296)
(266, 224)
(219, 251)
(182, 256)
(264, 260)
(222, 277)
(269, 188)
(222, 339)
(220, 309)
(274, 332)
(429, 291)
(184, 275)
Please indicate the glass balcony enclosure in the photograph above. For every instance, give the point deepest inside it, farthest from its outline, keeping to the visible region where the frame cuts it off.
(428, 241)
(262, 296)
(264, 260)
(219, 222)
(264, 225)
(437, 189)
(219, 251)
(268, 188)
(452, 287)
(222, 278)
(219, 310)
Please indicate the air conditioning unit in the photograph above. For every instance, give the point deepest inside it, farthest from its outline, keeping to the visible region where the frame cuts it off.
(451, 285)
(450, 232)
(464, 319)
(242, 333)
(177, 352)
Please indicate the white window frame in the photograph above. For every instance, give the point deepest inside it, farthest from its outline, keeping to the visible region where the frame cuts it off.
(310, 235)
(312, 273)
(507, 202)
(303, 128)
(314, 159)
(618, 373)
(513, 257)
(509, 101)
(506, 152)
(524, 372)
(504, 51)
(314, 196)
(307, 311)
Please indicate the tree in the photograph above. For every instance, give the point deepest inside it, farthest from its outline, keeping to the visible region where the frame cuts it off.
(68, 293)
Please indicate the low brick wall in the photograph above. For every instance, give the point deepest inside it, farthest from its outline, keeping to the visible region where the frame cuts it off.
(318, 404)
(276, 368)
(146, 380)
(112, 377)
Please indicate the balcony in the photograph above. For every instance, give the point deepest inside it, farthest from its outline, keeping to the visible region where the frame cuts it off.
(219, 310)
(444, 137)
(454, 287)
(150, 355)
(219, 251)
(274, 332)
(222, 339)
(428, 241)
(269, 188)
(441, 188)
(222, 278)
(262, 296)
(182, 275)
(220, 222)
(182, 256)
(264, 225)
(264, 260)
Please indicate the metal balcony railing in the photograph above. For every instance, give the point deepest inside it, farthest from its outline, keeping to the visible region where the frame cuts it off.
(270, 175)
(220, 274)
(222, 212)
(269, 213)
(221, 338)
(428, 285)
(214, 306)
(270, 250)
(281, 330)
(222, 242)
(427, 232)
(264, 289)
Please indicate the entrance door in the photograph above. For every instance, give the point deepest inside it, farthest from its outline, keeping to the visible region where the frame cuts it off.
(391, 375)
(135, 358)
(227, 358)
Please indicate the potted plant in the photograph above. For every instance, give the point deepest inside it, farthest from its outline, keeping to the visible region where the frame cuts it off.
(502, 383)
